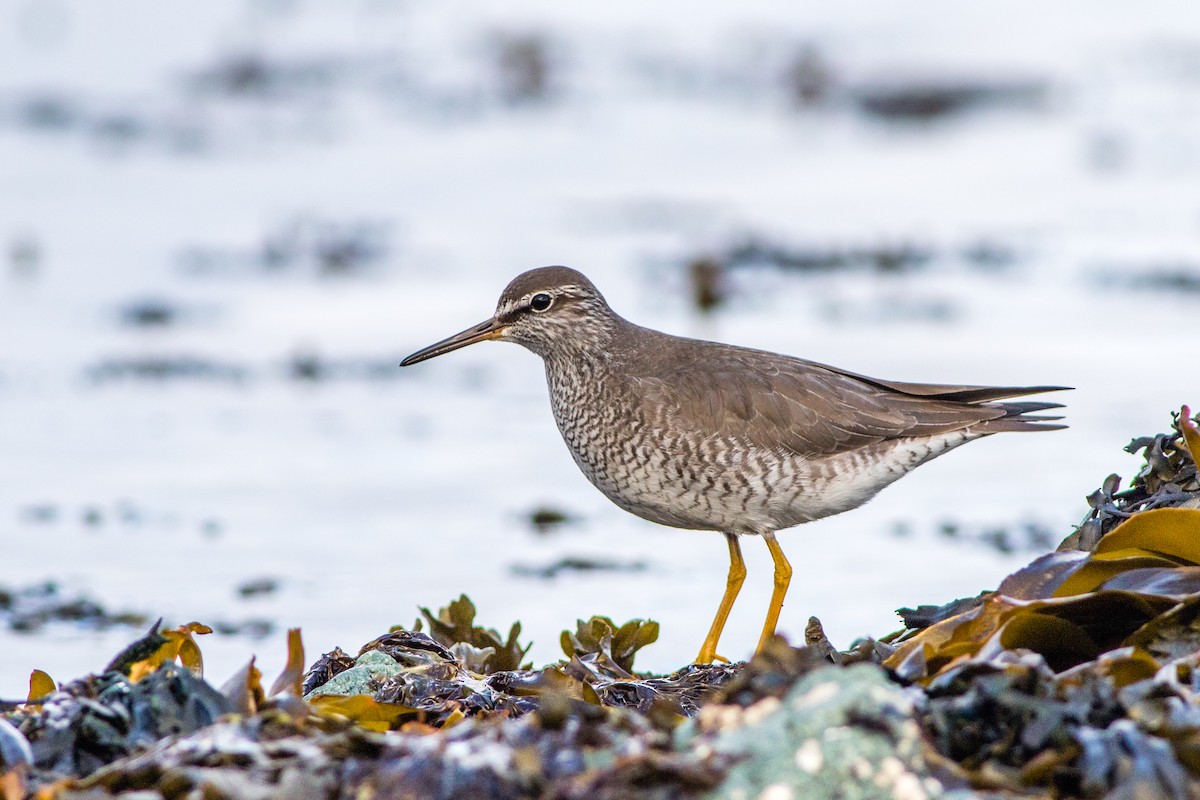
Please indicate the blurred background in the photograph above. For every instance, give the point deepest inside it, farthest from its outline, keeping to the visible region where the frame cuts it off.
(222, 224)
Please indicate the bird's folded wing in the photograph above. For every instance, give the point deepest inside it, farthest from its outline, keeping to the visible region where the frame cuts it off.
(786, 404)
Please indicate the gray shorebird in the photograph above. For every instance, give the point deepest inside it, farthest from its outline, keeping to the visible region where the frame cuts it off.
(713, 437)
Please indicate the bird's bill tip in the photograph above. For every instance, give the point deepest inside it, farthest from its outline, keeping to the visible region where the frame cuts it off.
(491, 329)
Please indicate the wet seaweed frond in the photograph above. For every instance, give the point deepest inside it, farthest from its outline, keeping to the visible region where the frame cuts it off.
(455, 625)
(600, 640)
(1167, 479)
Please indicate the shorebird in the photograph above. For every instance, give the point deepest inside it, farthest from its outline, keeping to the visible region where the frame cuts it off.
(708, 436)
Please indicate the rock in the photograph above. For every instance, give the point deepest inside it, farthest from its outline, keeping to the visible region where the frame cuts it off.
(839, 733)
(369, 670)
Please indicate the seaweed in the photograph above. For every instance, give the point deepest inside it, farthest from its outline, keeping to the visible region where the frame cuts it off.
(455, 625)
(601, 640)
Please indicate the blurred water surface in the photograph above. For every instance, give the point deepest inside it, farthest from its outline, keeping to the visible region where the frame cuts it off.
(222, 224)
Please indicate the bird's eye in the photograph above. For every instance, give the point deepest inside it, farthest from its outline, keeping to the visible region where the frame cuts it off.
(540, 301)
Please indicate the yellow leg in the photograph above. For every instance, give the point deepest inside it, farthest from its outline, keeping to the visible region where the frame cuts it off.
(783, 577)
(733, 584)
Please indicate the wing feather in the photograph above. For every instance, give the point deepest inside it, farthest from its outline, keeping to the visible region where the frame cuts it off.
(789, 404)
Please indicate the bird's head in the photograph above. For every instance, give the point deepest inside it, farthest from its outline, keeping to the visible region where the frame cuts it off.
(549, 310)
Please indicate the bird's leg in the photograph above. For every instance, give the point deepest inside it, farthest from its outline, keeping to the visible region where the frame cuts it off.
(783, 576)
(733, 584)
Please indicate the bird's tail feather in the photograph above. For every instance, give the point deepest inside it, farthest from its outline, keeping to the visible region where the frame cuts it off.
(1015, 418)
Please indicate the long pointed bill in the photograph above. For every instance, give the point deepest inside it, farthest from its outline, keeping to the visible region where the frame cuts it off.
(492, 329)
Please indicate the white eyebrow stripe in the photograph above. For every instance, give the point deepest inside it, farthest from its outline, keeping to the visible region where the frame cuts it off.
(569, 290)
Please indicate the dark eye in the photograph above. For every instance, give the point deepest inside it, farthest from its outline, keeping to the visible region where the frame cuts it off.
(540, 301)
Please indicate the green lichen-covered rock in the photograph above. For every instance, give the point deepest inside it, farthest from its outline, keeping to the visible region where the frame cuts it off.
(369, 670)
(839, 733)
